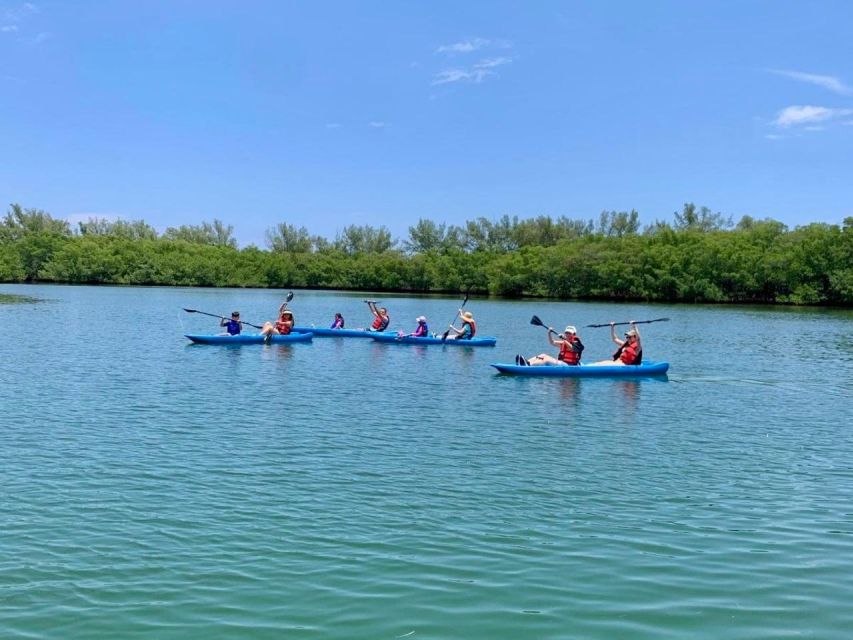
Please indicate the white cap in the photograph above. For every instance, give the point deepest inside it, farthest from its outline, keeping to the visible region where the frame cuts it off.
(420, 319)
(570, 329)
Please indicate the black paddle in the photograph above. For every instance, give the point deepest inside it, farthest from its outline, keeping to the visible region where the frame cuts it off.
(616, 324)
(446, 333)
(214, 315)
(536, 322)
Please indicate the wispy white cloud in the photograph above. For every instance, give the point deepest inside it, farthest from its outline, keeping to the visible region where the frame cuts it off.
(9, 28)
(377, 124)
(333, 125)
(40, 37)
(830, 83)
(774, 136)
(465, 46)
(476, 73)
(490, 63)
(19, 12)
(801, 115)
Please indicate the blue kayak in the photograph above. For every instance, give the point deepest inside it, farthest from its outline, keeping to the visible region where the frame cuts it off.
(247, 338)
(393, 338)
(339, 333)
(586, 370)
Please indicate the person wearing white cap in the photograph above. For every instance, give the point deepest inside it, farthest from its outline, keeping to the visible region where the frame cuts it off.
(469, 327)
(570, 346)
(630, 349)
(422, 330)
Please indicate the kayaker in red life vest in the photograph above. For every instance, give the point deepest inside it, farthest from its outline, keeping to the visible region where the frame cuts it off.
(570, 346)
(381, 319)
(283, 326)
(469, 327)
(630, 349)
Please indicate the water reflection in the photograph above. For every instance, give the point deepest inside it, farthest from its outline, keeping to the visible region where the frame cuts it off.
(570, 390)
(13, 298)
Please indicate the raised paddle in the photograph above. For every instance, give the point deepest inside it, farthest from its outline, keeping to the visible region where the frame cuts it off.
(446, 333)
(536, 322)
(214, 315)
(616, 324)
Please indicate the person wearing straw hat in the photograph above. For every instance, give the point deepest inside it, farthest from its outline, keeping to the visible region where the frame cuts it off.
(469, 327)
(570, 346)
(283, 326)
(422, 330)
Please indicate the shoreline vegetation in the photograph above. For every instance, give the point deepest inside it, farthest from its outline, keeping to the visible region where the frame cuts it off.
(700, 256)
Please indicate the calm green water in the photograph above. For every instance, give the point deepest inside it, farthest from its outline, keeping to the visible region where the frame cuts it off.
(344, 489)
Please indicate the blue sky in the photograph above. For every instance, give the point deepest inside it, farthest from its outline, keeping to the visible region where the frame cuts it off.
(325, 114)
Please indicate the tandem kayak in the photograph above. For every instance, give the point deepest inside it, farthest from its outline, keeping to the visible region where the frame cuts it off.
(340, 333)
(393, 338)
(586, 370)
(245, 338)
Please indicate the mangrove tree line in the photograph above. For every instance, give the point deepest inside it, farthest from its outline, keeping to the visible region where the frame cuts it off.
(698, 256)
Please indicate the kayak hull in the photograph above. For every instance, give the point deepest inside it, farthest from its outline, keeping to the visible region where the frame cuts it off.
(339, 333)
(249, 338)
(586, 370)
(393, 338)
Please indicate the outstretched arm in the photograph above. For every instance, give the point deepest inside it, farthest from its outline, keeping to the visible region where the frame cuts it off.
(613, 334)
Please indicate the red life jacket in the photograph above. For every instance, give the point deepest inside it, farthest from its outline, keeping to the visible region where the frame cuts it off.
(283, 326)
(630, 354)
(380, 323)
(568, 355)
(472, 330)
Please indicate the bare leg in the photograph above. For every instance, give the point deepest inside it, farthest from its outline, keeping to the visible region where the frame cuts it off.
(542, 358)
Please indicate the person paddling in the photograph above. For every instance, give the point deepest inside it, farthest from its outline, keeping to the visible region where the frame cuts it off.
(381, 319)
(283, 326)
(233, 327)
(422, 330)
(570, 346)
(338, 323)
(630, 349)
(469, 327)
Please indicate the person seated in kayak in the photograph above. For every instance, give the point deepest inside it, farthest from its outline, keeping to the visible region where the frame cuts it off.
(283, 326)
(469, 327)
(570, 346)
(381, 319)
(422, 330)
(338, 322)
(630, 349)
(232, 326)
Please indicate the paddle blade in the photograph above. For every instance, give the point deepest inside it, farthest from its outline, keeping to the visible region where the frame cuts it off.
(444, 335)
(535, 321)
(190, 310)
(464, 302)
(289, 296)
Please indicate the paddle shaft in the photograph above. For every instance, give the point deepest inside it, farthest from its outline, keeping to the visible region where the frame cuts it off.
(447, 333)
(616, 324)
(215, 315)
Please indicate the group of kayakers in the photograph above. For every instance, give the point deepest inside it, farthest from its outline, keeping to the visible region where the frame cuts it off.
(381, 320)
(629, 351)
